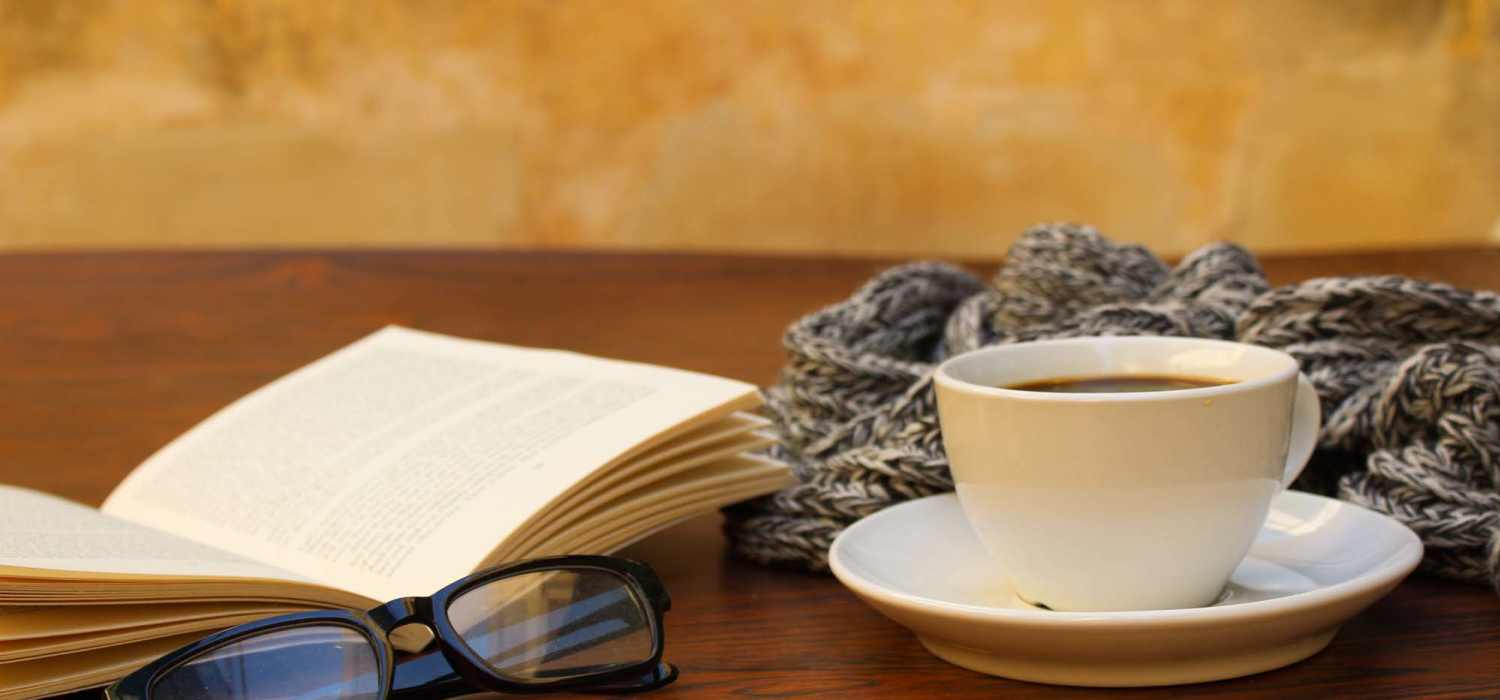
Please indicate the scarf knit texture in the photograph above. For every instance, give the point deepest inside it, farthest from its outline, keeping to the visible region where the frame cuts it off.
(1408, 372)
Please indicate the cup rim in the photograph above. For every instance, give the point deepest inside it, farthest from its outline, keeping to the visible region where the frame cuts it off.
(943, 375)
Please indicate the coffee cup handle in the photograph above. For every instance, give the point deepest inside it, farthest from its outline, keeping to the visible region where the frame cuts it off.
(1307, 419)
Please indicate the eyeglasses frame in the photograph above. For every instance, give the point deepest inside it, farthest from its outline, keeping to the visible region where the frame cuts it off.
(377, 623)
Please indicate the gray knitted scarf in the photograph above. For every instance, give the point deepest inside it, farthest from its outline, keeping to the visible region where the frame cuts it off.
(1408, 373)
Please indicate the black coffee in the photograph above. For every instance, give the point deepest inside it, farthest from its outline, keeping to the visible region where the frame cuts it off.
(1118, 383)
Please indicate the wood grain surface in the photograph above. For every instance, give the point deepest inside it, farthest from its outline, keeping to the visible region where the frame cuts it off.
(105, 357)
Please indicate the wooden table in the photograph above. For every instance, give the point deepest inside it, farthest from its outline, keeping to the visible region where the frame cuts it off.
(105, 357)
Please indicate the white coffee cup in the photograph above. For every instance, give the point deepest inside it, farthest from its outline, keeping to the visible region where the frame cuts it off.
(1123, 501)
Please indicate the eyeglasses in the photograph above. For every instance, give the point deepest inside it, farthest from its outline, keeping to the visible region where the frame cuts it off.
(560, 623)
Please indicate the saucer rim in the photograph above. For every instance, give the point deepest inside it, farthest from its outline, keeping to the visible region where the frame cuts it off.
(1384, 575)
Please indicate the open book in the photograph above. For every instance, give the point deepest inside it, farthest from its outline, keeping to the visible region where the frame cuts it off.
(389, 468)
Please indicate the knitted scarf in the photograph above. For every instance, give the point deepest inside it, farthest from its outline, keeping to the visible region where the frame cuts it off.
(1408, 372)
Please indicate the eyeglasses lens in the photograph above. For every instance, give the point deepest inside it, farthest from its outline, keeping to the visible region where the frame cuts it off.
(548, 625)
(312, 662)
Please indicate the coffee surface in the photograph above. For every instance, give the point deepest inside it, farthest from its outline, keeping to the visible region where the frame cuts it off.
(1118, 383)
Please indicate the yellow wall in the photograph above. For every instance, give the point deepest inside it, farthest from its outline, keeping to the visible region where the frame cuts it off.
(889, 126)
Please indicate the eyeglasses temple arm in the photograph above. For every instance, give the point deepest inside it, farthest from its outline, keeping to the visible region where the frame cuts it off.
(427, 677)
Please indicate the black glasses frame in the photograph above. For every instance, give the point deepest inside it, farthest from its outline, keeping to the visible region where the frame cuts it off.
(453, 668)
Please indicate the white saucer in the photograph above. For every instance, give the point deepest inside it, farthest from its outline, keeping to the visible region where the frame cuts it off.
(1316, 563)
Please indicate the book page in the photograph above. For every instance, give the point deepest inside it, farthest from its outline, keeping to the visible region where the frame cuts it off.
(393, 466)
(46, 533)
(22, 622)
(67, 672)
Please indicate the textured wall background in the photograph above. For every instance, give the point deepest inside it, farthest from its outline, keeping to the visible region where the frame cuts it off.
(891, 126)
